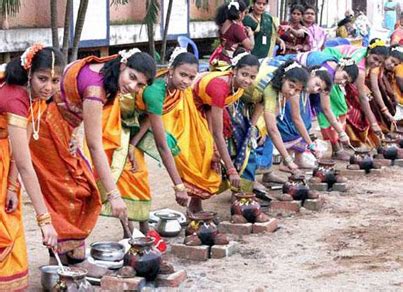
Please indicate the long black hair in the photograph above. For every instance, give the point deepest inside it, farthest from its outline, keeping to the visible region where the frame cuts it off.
(297, 75)
(396, 53)
(352, 70)
(17, 75)
(182, 58)
(223, 13)
(141, 62)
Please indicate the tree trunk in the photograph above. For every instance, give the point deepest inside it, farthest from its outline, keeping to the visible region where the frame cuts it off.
(321, 12)
(150, 35)
(53, 23)
(82, 10)
(66, 33)
(164, 38)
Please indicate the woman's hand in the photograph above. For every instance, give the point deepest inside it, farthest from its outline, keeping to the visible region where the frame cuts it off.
(132, 159)
(343, 137)
(292, 167)
(49, 236)
(235, 180)
(249, 31)
(377, 130)
(119, 208)
(182, 198)
(11, 202)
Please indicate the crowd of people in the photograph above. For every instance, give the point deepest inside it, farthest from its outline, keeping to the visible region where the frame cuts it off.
(212, 131)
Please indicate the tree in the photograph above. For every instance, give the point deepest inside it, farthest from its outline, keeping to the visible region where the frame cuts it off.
(68, 18)
(82, 10)
(53, 23)
(9, 7)
(151, 18)
(164, 38)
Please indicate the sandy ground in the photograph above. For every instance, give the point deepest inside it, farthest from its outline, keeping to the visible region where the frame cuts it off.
(354, 243)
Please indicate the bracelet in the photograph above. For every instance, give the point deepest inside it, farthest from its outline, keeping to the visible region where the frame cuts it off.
(12, 189)
(131, 148)
(112, 195)
(179, 188)
(342, 134)
(288, 160)
(13, 183)
(384, 109)
(232, 171)
(311, 147)
(374, 125)
(43, 219)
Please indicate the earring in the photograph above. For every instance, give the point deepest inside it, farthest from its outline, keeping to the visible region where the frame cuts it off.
(170, 76)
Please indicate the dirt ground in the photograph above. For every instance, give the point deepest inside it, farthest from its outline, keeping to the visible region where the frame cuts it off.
(354, 243)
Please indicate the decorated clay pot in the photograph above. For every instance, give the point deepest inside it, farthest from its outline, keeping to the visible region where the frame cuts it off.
(363, 158)
(246, 206)
(326, 171)
(388, 148)
(143, 257)
(202, 225)
(296, 187)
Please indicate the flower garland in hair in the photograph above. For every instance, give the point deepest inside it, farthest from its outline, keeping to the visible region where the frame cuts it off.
(176, 53)
(29, 54)
(398, 48)
(344, 62)
(292, 66)
(127, 54)
(318, 69)
(377, 43)
(238, 57)
(233, 3)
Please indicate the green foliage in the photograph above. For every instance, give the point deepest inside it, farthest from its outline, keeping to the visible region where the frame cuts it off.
(207, 4)
(10, 7)
(119, 2)
(153, 8)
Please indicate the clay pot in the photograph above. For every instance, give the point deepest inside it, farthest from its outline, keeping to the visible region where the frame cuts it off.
(363, 158)
(202, 225)
(326, 172)
(296, 187)
(246, 206)
(388, 148)
(398, 136)
(73, 280)
(143, 257)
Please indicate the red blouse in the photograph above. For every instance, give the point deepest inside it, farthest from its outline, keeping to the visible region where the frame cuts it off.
(14, 99)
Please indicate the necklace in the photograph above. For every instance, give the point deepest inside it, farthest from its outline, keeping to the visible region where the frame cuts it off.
(35, 126)
(232, 86)
(282, 103)
(304, 100)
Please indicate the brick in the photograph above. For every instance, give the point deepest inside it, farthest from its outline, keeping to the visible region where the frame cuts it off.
(400, 153)
(194, 253)
(111, 283)
(351, 172)
(171, 280)
(377, 171)
(320, 187)
(269, 226)
(288, 206)
(382, 162)
(339, 187)
(234, 228)
(399, 162)
(313, 204)
(222, 251)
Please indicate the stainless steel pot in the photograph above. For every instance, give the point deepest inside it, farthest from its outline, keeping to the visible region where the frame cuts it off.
(168, 225)
(49, 277)
(107, 251)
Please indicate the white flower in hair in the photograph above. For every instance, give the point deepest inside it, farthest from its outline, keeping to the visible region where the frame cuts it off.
(176, 53)
(398, 48)
(346, 62)
(233, 3)
(127, 54)
(237, 58)
(292, 66)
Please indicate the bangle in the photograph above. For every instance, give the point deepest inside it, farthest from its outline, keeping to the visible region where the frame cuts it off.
(131, 148)
(179, 188)
(14, 183)
(12, 189)
(311, 147)
(232, 171)
(374, 125)
(288, 160)
(112, 195)
(342, 134)
(384, 109)
(43, 219)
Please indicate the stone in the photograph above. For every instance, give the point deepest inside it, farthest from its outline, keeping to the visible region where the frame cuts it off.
(377, 171)
(313, 204)
(287, 206)
(339, 187)
(351, 172)
(400, 153)
(222, 251)
(320, 187)
(399, 162)
(268, 227)
(194, 253)
(238, 229)
(171, 280)
(111, 283)
(378, 163)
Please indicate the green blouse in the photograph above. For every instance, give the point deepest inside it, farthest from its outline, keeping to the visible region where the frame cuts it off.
(154, 95)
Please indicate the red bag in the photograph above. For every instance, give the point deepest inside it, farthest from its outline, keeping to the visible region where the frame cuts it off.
(159, 243)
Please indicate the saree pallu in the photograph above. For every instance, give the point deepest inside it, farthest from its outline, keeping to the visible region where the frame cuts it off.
(194, 161)
(13, 252)
(357, 126)
(67, 183)
(133, 186)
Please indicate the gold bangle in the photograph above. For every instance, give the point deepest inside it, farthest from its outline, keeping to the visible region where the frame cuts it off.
(45, 222)
(43, 219)
(113, 195)
(13, 183)
(12, 189)
(179, 188)
(112, 192)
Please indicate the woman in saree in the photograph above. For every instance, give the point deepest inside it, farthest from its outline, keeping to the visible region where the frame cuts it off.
(361, 124)
(316, 34)
(232, 34)
(385, 95)
(264, 27)
(294, 33)
(213, 93)
(126, 139)
(69, 186)
(35, 75)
